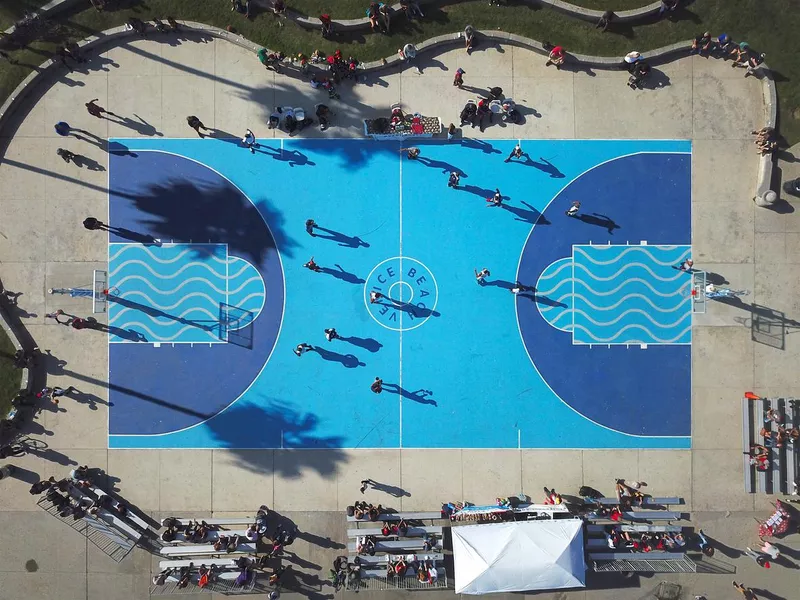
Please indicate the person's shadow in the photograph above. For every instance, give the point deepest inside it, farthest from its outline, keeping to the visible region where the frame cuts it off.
(599, 220)
(84, 162)
(293, 157)
(135, 236)
(343, 275)
(529, 215)
(545, 166)
(369, 344)
(139, 125)
(420, 396)
(439, 164)
(417, 312)
(349, 361)
(347, 241)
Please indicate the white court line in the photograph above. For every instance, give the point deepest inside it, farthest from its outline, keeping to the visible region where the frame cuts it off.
(400, 375)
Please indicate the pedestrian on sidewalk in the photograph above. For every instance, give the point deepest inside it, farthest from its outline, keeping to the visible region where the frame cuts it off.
(93, 224)
(95, 109)
(63, 128)
(58, 392)
(480, 276)
(196, 124)
(572, 211)
(377, 385)
(745, 591)
(310, 225)
(458, 80)
(312, 266)
(56, 315)
(365, 483)
(249, 141)
(515, 153)
(496, 200)
(769, 549)
(455, 178)
(760, 559)
(331, 334)
(301, 349)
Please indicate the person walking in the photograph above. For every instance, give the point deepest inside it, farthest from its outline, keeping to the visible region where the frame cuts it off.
(572, 211)
(58, 392)
(374, 297)
(515, 153)
(249, 141)
(769, 549)
(451, 132)
(95, 109)
(301, 349)
(745, 591)
(310, 225)
(62, 128)
(312, 266)
(760, 559)
(56, 315)
(458, 80)
(377, 385)
(480, 276)
(455, 178)
(196, 124)
(412, 153)
(365, 483)
(93, 224)
(331, 334)
(496, 200)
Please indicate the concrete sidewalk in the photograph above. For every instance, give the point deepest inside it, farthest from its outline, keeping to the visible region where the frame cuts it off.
(155, 85)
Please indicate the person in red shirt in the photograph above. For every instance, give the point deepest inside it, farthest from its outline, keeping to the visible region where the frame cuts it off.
(556, 57)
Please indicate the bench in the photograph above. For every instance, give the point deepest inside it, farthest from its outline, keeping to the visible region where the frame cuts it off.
(747, 435)
(412, 532)
(206, 549)
(389, 546)
(182, 522)
(633, 528)
(376, 573)
(648, 501)
(758, 408)
(194, 578)
(105, 516)
(642, 515)
(222, 563)
(212, 536)
(384, 558)
(408, 516)
(131, 515)
(636, 556)
(793, 451)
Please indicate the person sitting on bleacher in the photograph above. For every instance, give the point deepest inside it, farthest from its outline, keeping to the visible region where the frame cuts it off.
(198, 533)
(387, 529)
(374, 512)
(552, 497)
(772, 438)
(759, 457)
(161, 578)
(251, 533)
(366, 545)
(206, 576)
(627, 492)
(428, 543)
(183, 578)
(433, 574)
(168, 535)
(402, 528)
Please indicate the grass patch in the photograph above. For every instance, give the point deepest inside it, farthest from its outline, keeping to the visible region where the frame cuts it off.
(771, 30)
(10, 377)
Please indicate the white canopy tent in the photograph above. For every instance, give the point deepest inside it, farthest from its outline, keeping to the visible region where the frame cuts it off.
(519, 556)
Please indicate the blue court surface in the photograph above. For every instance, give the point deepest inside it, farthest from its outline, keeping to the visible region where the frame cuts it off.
(209, 295)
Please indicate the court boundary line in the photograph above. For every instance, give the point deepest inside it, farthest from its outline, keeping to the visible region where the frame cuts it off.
(516, 304)
(402, 280)
(283, 308)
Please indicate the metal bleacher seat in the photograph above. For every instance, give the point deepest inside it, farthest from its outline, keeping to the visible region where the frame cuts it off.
(183, 521)
(635, 528)
(393, 546)
(408, 516)
(206, 550)
(412, 532)
(647, 502)
(747, 437)
(382, 559)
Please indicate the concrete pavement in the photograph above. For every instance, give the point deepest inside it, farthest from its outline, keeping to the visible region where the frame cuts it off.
(158, 84)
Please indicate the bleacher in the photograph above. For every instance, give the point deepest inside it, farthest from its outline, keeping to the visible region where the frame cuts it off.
(394, 547)
(784, 462)
(183, 552)
(604, 559)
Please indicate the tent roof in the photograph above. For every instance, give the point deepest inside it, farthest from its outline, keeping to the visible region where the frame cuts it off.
(519, 556)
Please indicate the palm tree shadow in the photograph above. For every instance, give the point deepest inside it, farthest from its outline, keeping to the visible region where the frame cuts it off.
(420, 396)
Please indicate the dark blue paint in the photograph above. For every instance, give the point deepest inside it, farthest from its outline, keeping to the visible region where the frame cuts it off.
(636, 391)
(157, 390)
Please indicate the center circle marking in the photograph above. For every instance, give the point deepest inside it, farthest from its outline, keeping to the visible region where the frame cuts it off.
(409, 293)
(397, 294)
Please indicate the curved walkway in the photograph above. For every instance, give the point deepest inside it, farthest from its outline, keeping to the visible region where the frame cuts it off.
(43, 200)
